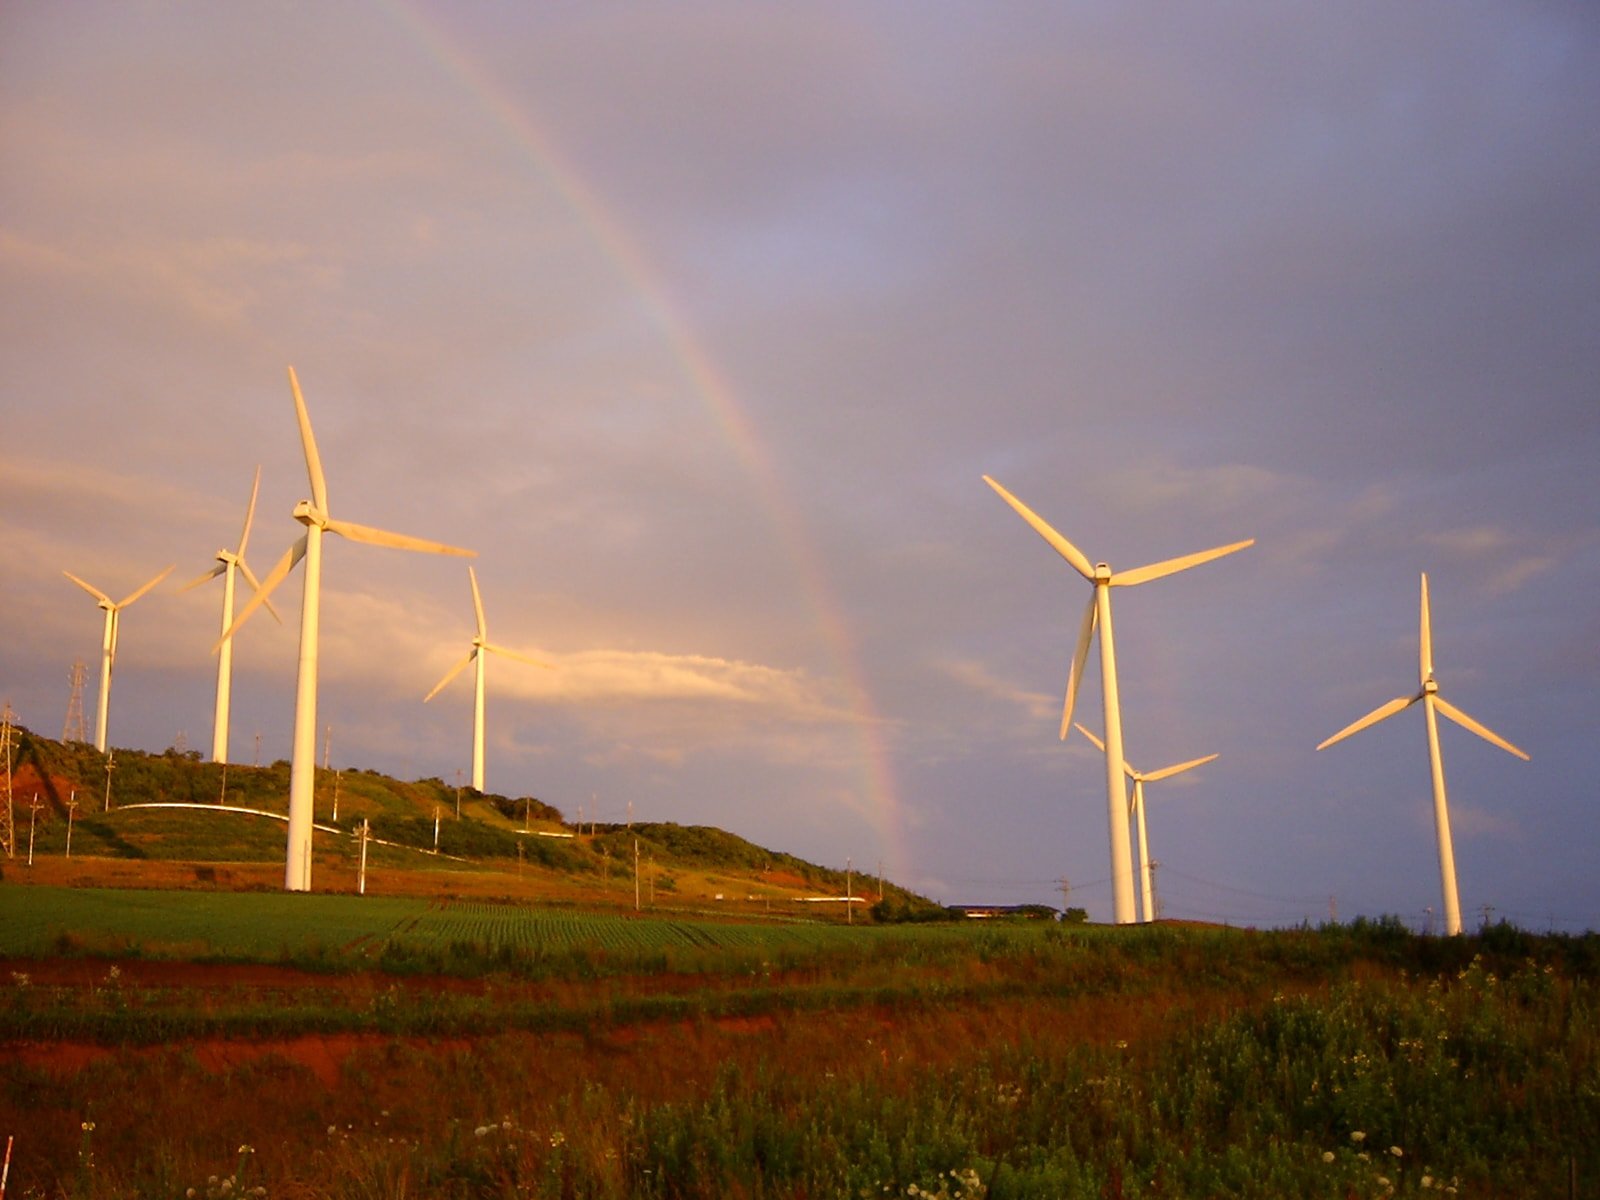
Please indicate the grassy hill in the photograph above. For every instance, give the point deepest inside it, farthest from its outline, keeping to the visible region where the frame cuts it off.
(429, 837)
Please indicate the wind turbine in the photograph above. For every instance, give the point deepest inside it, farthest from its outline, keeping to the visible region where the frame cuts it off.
(1099, 613)
(108, 646)
(1140, 778)
(229, 562)
(481, 649)
(1432, 703)
(313, 514)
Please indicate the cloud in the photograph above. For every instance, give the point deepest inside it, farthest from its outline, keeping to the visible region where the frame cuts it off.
(976, 676)
(1470, 822)
(1507, 556)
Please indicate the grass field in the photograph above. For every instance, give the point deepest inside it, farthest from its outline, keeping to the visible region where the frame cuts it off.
(172, 1024)
(351, 931)
(153, 1042)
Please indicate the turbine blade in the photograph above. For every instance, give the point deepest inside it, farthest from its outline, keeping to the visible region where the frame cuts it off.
(1172, 566)
(477, 604)
(256, 584)
(1372, 718)
(1483, 731)
(277, 575)
(1425, 641)
(451, 674)
(249, 514)
(1169, 772)
(308, 441)
(211, 574)
(533, 662)
(88, 587)
(1079, 655)
(135, 595)
(398, 541)
(1127, 767)
(1066, 549)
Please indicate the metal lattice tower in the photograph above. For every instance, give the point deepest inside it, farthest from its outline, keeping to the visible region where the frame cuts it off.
(72, 729)
(8, 826)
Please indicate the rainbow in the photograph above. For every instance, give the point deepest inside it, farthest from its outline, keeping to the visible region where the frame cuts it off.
(709, 383)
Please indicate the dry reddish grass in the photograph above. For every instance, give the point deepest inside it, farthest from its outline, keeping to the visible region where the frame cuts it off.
(280, 1095)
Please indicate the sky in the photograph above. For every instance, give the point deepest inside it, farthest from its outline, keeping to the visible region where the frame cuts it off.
(702, 322)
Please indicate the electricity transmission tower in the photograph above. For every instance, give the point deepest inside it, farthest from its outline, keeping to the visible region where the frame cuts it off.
(8, 827)
(72, 729)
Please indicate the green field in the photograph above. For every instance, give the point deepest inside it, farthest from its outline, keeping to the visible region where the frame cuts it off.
(335, 929)
(466, 1049)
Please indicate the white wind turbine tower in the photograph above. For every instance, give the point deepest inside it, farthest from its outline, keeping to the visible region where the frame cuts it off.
(1140, 778)
(108, 648)
(1099, 613)
(228, 563)
(313, 514)
(481, 649)
(1432, 703)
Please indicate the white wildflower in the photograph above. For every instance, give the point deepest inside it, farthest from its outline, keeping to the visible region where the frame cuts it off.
(1397, 1152)
(1357, 1136)
(1327, 1156)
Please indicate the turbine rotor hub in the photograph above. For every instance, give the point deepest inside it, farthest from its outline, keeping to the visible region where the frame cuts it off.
(1102, 572)
(309, 514)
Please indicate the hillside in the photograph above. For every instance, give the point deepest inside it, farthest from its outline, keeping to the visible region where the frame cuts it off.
(428, 838)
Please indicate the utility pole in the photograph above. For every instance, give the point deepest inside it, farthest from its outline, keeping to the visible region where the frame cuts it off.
(1427, 921)
(1487, 910)
(111, 765)
(361, 877)
(1066, 892)
(327, 746)
(849, 887)
(635, 874)
(1155, 896)
(458, 793)
(527, 803)
(72, 807)
(436, 829)
(222, 797)
(258, 747)
(1333, 909)
(630, 814)
(33, 813)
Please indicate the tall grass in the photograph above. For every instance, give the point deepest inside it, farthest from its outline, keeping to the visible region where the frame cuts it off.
(1160, 1063)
